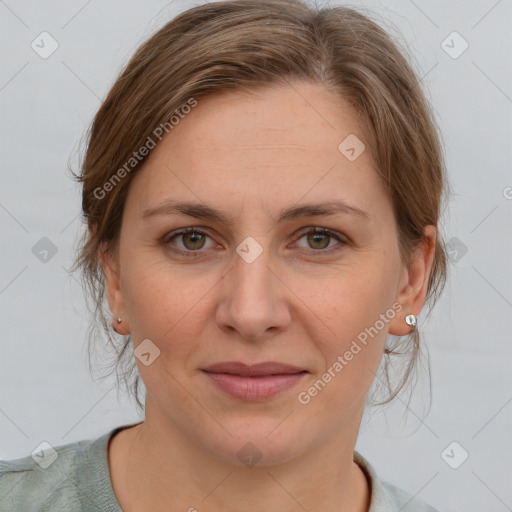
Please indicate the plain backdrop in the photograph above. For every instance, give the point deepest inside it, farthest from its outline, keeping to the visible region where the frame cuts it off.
(46, 392)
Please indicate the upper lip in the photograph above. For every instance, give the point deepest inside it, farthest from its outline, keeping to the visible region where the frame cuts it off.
(254, 370)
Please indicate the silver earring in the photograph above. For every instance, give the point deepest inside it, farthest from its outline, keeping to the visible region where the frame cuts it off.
(119, 320)
(410, 320)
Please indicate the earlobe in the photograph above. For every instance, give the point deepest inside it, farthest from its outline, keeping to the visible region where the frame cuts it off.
(110, 266)
(116, 325)
(414, 285)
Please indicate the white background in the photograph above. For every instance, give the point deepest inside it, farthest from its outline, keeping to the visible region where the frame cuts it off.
(46, 392)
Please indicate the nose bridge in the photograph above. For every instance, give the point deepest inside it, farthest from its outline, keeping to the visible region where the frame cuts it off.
(252, 303)
(252, 274)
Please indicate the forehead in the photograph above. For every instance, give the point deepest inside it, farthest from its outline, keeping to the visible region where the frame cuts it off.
(304, 115)
(281, 142)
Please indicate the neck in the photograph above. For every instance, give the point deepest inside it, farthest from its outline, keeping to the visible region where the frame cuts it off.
(155, 466)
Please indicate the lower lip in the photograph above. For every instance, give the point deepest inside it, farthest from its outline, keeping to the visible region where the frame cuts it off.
(254, 388)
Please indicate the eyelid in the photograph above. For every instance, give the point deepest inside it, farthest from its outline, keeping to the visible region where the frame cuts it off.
(342, 239)
(322, 230)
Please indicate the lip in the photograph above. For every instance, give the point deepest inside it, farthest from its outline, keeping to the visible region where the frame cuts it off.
(254, 382)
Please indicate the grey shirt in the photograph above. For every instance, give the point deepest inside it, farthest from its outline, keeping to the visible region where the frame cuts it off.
(78, 480)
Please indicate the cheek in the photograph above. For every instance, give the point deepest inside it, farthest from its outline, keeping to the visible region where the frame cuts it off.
(167, 307)
(354, 311)
(351, 298)
(166, 304)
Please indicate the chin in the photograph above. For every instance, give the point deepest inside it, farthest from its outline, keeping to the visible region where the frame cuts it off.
(260, 444)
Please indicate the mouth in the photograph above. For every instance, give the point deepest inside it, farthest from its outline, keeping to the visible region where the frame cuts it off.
(254, 382)
(253, 370)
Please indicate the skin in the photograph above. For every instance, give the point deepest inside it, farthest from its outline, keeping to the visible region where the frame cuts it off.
(251, 155)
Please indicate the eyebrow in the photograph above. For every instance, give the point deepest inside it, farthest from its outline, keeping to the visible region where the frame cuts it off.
(203, 211)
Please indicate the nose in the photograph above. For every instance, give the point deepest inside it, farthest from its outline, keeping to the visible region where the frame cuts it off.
(253, 299)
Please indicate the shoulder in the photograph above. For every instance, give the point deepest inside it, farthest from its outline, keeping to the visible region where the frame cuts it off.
(29, 483)
(60, 478)
(404, 501)
(386, 497)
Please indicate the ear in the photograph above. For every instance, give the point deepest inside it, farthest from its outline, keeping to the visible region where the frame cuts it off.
(413, 283)
(110, 265)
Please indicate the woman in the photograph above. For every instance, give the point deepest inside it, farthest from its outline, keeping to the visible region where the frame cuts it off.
(262, 187)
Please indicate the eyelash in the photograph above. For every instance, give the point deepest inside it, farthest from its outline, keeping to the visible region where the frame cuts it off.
(312, 229)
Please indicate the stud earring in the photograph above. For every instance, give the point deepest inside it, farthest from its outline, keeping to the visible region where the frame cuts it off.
(119, 320)
(410, 320)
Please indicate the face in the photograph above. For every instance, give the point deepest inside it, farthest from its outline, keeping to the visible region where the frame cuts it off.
(269, 271)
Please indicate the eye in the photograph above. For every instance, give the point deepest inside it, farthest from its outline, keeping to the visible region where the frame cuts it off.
(192, 239)
(320, 239)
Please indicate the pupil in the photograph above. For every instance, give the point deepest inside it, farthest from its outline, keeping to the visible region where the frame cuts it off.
(317, 238)
(195, 238)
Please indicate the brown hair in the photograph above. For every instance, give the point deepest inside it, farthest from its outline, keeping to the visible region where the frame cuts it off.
(244, 44)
